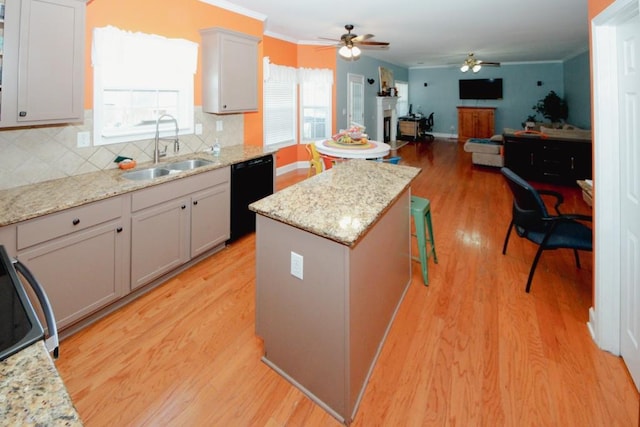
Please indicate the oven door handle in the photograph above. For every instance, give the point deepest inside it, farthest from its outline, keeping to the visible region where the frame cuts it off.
(51, 343)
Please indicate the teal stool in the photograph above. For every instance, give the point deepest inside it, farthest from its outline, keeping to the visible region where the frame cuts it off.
(421, 213)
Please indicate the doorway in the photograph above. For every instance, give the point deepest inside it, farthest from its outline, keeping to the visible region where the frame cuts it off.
(355, 99)
(615, 325)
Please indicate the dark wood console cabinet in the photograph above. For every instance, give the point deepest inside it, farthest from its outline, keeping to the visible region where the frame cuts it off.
(555, 160)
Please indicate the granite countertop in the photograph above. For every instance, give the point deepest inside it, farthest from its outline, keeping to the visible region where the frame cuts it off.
(32, 392)
(30, 201)
(341, 203)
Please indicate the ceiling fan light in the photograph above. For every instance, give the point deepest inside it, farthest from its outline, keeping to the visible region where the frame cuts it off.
(345, 52)
(355, 50)
(464, 68)
(476, 68)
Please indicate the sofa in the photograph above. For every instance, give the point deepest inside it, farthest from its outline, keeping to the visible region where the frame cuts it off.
(485, 151)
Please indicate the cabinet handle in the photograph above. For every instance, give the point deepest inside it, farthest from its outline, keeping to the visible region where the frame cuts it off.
(531, 159)
(119, 230)
(224, 107)
(195, 202)
(22, 114)
(76, 221)
(572, 167)
(183, 206)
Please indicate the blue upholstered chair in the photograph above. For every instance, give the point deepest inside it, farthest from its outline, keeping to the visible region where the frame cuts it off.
(532, 221)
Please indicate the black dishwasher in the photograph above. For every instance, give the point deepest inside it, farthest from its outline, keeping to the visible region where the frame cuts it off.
(251, 180)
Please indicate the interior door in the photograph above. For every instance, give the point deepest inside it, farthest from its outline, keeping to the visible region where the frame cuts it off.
(355, 100)
(628, 41)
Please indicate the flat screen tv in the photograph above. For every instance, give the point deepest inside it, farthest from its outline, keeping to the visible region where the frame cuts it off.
(481, 89)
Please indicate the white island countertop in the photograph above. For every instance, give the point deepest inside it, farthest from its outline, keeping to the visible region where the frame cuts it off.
(341, 203)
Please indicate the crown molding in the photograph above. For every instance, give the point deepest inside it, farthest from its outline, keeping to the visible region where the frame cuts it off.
(223, 4)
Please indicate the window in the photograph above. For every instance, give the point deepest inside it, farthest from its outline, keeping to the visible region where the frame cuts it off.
(279, 104)
(402, 106)
(137, 78)
(316, 96)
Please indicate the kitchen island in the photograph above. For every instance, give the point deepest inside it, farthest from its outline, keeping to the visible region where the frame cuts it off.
(333, 263)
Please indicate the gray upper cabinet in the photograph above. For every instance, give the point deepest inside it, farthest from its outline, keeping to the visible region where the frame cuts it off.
(43, 62)
(229, 71)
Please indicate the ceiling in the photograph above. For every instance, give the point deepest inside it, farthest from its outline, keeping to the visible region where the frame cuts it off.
(433, 33)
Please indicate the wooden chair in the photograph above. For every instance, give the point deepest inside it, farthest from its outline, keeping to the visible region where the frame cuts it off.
(317, 162)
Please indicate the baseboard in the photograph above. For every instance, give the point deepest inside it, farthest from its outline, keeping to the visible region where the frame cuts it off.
(591, 324)
(291, 167)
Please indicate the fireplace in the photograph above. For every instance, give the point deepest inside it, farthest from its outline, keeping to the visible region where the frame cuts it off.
(386, 132)
(386, 119)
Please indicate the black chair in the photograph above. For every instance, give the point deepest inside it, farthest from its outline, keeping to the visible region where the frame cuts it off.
(533, 222)
(427, 127)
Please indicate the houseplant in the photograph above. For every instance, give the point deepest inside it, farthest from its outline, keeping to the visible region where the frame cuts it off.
(552, 107)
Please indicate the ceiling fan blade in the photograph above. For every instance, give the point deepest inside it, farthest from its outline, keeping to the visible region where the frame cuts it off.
(327, 38)
(329, 46)
(362, 37)
(372, 43)
(491, 64)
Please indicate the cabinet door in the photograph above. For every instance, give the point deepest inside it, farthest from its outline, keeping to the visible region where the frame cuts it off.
(229, 71)
(520, 158)
(210, 218)
(159, 240)
(51, 61)
(238, 74)
(82, 272)
(466, 124)
(581, 161)
(484, 124)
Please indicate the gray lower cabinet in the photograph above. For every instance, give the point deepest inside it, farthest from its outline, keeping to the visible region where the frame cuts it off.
(210, 218)
(93, 255)
(159, 240)
(79, 255)
(175, 222)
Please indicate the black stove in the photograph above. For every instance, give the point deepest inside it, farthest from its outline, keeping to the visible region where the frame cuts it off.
(19, 325)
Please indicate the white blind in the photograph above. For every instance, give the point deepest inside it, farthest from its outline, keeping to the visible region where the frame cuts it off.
(279, 104)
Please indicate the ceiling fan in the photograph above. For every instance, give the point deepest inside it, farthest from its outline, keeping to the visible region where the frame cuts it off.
(351, 43)
(473, 64)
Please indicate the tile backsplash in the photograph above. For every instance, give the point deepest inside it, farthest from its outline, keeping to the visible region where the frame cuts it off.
(32, 155)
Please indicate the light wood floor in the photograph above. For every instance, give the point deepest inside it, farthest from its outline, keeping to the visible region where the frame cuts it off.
(471, 349)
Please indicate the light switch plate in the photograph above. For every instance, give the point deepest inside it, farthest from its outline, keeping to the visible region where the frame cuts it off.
(219, 126)
(198, 128)
(297, 266)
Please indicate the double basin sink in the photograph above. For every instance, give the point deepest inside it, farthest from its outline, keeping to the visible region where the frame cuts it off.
(165, 169)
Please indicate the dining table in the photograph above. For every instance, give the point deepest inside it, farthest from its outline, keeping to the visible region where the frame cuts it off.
(368, 150)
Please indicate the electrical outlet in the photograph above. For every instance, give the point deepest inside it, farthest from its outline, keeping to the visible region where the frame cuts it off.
(219, 126)
(453, 128)
(84, 139)
(198, 128)
(297, 267)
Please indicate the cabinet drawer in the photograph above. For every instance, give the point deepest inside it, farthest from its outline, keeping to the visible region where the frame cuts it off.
(71, 220)
(172, 190)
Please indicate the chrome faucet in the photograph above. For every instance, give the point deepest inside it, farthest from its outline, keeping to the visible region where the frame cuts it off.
(176, 142)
